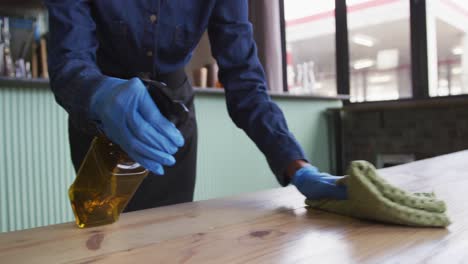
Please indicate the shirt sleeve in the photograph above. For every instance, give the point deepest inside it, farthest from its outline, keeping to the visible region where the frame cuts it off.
(243, 77)
(72, 48)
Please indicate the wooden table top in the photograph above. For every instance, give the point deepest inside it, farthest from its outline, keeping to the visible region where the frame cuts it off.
(265, 227)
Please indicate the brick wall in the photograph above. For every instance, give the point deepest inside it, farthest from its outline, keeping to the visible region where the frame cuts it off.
(422, 131)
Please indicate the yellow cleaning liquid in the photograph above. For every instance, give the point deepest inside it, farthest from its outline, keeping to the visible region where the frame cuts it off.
(105, 183)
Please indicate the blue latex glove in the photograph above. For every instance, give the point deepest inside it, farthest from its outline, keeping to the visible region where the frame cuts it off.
(130, 118)
(316, 185)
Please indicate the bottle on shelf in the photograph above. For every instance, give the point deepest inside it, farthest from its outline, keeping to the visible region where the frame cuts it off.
(2, 49)
(9, 67)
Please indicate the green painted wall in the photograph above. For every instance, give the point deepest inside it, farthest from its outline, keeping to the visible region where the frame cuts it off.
(35, 169)
(229, 163)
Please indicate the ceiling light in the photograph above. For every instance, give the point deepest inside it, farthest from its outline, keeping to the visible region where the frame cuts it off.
(363, 40)
(362, 64)
(387, 59)
(457, 50)
(379, 79)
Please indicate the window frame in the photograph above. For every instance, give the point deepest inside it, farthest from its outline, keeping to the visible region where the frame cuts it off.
(418, 49)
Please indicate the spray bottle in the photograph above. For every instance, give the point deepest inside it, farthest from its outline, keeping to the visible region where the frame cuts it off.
(108, 178)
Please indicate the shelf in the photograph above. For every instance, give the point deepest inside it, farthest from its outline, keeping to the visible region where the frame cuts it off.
(218, 91)
(308, 96)
(12, 82)
(10, 4)
(208, 90)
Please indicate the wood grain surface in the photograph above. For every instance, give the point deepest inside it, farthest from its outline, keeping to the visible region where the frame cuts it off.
(266, 227)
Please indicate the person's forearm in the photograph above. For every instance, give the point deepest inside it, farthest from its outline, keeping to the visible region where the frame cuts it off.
(243, 77)
(73, 70)
(295, 166)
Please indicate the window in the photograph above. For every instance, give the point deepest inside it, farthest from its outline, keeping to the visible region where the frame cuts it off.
(310, 46)
(379, 49)
(447, 47)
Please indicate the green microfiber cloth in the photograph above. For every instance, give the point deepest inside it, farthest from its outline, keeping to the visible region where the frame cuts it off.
(371, 197)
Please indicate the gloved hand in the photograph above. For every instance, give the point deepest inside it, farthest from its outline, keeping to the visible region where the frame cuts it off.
(316, 185)
(129, 117)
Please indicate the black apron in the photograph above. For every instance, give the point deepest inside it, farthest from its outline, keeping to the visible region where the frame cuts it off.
(178, 182)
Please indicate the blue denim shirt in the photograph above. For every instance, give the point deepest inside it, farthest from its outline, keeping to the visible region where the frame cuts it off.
(92, 39)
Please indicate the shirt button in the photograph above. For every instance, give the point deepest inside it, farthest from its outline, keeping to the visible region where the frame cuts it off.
(149, 53)
(153, 18)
